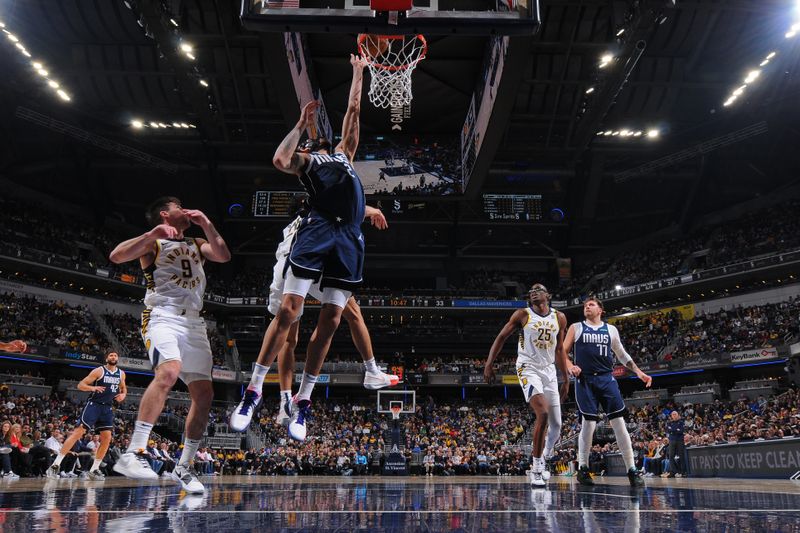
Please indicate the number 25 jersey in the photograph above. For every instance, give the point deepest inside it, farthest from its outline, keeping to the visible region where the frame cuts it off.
(176, 277)
(538, 339)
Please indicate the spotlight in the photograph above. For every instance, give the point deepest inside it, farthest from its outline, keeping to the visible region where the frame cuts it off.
(620, 32)
(174, 22)
(653, 133)
(637, 134)
(606, 58)
(192, 126)
(590, 90)
(162, 125)
(184, 125)
(42, 72)
(729, 101)
(790, 34)
(752, 76)
(154, 124)
(53, 84)
(204, 83)
(624, 133)
(64, 96)
(771, 55)
(176, 125)
(764, 63)
(739, 91)
(137, 124)
(13, 38)
(614, 134)
(25, 53)
(37, 65)
(617, 287)
(186, 47)
(795, 27)
(190, 56)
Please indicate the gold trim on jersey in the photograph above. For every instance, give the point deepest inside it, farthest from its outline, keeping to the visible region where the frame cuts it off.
(145, 321)
(158, 251)
(202, 257)
(150, 282)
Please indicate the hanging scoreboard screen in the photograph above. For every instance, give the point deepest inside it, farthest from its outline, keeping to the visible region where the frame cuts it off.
(526, 207)
(275, 203)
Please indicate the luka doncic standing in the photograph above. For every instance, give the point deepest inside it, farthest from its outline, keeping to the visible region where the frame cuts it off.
(107, 384)
(597, 347)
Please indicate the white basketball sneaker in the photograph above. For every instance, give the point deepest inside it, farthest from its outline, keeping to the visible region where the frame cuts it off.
(188, 480)
(379, 380)
(285, 412)
(134, 466)
(536, 479)
(243, 413)
(297, 426)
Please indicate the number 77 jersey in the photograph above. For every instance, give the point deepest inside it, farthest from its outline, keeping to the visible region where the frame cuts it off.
(538, 340)
(176, 278)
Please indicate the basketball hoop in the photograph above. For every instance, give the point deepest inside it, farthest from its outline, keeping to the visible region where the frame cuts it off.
(391, 60)
(396, 409)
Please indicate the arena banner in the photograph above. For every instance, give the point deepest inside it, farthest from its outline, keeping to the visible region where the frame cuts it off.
(774, 459)
(132, 362)
(493, 304)
(272, 378)
(510, 379)
(322, 378)
(219, 374)
(700, 361)
(754, 355)
(619, 371)
(73, 355)
(687, 312)
(473, 379)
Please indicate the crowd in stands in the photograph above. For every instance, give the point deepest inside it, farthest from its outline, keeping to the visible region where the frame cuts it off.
(44, 323)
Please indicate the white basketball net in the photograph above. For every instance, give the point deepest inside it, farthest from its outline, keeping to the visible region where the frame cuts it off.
(390, 71)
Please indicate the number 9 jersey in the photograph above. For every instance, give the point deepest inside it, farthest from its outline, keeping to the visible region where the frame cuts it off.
(176, 277)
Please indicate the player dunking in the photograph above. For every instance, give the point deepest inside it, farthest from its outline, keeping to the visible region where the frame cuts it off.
(328, 248)
(539, 351)
(596, 344)
(373, 377)
(107, 385)
(174, 335)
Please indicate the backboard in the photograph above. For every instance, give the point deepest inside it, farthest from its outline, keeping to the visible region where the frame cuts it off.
(428, 17)
(389, 398)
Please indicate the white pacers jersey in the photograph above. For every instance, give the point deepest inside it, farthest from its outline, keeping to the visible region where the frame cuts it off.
(538, 339)
(176, 277)
(285, 247)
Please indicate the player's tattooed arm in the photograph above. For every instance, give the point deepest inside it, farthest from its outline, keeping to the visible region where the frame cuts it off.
(287, 159)
(648, 380)
(625, 358)
(350, 125)
(517, 321)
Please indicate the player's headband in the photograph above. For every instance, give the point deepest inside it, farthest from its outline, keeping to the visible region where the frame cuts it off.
(314, 144)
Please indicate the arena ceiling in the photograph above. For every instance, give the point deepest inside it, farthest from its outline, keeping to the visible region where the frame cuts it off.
(694, 54)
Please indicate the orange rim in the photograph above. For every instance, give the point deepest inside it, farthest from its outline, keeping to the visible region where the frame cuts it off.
(391, 68)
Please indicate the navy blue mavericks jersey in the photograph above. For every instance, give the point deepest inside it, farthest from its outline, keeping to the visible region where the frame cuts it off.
(592, 349)
(334, 189)
(110, 381)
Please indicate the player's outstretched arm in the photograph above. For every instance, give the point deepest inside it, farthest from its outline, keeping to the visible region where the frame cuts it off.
(624, 357)
(287, 159)
(375, 217)
(517, 321)
(214, 248)
(142, 245)
(85, 384)
(351, 126)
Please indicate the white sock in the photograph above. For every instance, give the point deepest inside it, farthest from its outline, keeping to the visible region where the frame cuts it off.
(306, 387)
(58, 460)
(257, 379)
(189, 451)
(286, 396)
(553, 430)
(141, 434)
(623, 441)
(96, 465)
(585, 441)
(372, 366)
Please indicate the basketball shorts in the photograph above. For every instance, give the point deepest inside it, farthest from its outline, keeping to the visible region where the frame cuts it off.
(97, 417)
(170, 337)
(276, 288)
(536, 380)
(328, 253)
(595, 391)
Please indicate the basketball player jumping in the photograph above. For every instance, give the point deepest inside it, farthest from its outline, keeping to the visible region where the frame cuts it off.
(596, 344)
(540, 350)
(373, 377)
(107, 385)
(328, 248)
(174, 335)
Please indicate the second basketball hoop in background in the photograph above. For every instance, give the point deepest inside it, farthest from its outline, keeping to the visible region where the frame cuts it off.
(391, 60)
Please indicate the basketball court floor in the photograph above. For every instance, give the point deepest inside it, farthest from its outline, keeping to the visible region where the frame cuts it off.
(241, 503)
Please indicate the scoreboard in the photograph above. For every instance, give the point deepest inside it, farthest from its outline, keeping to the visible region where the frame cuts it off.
(526, 207)
(275, 203)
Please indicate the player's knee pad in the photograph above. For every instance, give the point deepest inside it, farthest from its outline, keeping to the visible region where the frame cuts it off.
(334, 296)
